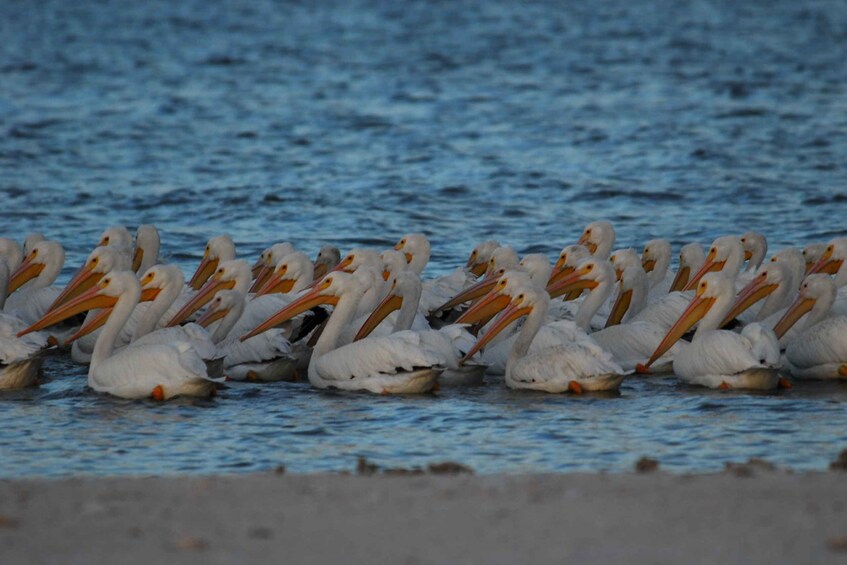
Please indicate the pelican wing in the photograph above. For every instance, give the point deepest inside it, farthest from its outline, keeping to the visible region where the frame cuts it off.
(389, 355)
(824, 343)
(633, 343)
(726, 353)
(563, 363)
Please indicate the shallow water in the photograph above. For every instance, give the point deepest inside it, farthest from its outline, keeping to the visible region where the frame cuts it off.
(356, 122)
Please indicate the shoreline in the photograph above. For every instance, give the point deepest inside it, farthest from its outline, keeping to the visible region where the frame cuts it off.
(750, 514)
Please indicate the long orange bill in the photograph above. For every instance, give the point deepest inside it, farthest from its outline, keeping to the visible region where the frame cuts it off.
(569, 284)
(796, 311)
(509, 315)
(709, 266)
(389, 304)
(748, 255)
(211, 316)
(261, 278)
(89, 300)
(306, 302)
(559, 273)
(92, 325)
(756, 290)
(204, 271)
(472, 292)
(825, 265)
(257, 267)
(590, 245)
(620, 308)
(27, 271)
(478, 269)
(681, 279)
(276, 284)
(698, 308)
(485, 309)
(199, 300)
(137, 257)
(84, 279)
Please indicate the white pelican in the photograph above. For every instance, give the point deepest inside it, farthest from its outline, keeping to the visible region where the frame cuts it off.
(812, 254)
(598, 238)
(451, 342)
(691, 258)
(480, 255)
(268, 260)
(228, 275)
(20, 358)
(393, 262)
(218, 250)
(502, 259)
(719, 358)
(417, 249)
(328, 257)
(656, 260)
(31, 240)
(10, 253)
(399, 363)
(33, 277)
(773, 283)
(820, 349)
(266, 357)
(160, 371)
(755, 248)
(726, 255)
(147, 244)
(578, 366)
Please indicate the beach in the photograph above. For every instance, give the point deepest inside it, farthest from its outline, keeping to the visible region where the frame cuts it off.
(748, 515)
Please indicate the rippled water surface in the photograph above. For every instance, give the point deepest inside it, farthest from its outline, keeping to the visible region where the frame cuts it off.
(354, 122)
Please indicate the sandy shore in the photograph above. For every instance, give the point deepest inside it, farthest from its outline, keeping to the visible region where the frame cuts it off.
(764, 517)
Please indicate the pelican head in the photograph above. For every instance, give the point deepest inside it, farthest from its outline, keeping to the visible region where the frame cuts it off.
(656, 251)
(269, 258)
(147, 244)
(31, 240)
(405, 285)
(538, 267)
(356, 258)
(393, 262)
(101, 261)
(222, 304)
(43, 263)
(497, 299)
(218, 249)
(293, 273)
(725, 255)
(569, 257)
(691, 258)
(329, 290)
(812, 254)
(755, 248)
(598, 238)
(229, 274)
(116, 235)
(480, 255)
(623, 259)
(327, 258)
(817, 292)
(768, 278)
(832, 260)
(416, 248)
(588, 275)
(632, 293)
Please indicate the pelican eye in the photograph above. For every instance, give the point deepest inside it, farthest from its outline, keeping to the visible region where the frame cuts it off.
(589, 267)
(328, 281)
(743, 240)
(520, 297)
(106, 239)
(402, 242)
(34, 252)
(587, 232)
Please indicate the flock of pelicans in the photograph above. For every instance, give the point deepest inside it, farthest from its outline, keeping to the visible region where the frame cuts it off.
(368, 322)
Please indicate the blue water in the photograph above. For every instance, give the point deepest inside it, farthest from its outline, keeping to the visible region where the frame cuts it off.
(354, 122)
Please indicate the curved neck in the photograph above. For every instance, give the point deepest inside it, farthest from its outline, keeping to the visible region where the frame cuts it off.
(408, 310)
(419, 261)
(592, 303)
(167, 296)
(120, 314)
(343, 314)
(530, 328)
(660, 270)
(714, 317)
(819, 311)
(228, 322)
(733, 263)
(640, 289)
(778, 299)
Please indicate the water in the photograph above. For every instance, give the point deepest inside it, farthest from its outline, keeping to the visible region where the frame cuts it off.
(356, 122)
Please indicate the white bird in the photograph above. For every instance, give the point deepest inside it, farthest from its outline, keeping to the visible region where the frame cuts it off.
(719, 358)
(755, 248)
(579, 366)
(691, 258)
(399, 363)
(227, 275)
(218, 250)
(147, 244)
(820, 349)
(656, 262)
(772, 284)
(726, 255)
(268, 260)
(31, 240)
(451, 342)
(328, 257)
(20, 358)
(477, 262)
(160, 371)
(812, 254)
(30, 293)
(598, 238)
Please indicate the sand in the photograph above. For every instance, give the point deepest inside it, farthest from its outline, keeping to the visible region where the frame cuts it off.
(755, 517)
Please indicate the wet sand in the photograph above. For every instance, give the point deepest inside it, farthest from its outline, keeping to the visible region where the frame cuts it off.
(748, 517)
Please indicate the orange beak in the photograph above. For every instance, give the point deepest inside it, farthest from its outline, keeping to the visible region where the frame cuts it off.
(261, 278)
(89, 300)
(570, 283)
(137, 257)
(794, 313)
(277, 283)
(200, 299)
(826, 264)
(147, 295)
(306, 302)
(681, 279)
(27, 271)
(84, 279)
(389, 304)
(709, 266)
(648, 265)
(620, 308)
(756, 290)
(485, 309)
(211, 316)
(698, 308)
(477, 268)
(585, 240)
(204, 271)
(472, 292)
(511, 313)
